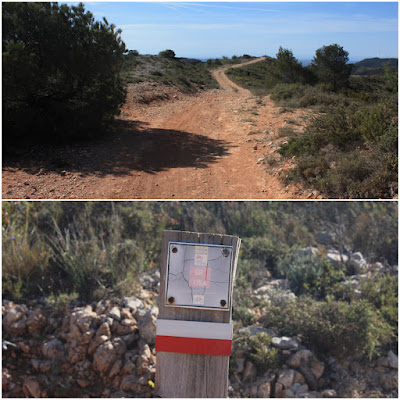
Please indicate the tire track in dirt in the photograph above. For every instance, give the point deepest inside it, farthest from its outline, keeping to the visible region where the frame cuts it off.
(212, 145)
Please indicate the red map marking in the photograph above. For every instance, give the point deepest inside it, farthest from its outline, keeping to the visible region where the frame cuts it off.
(199, 277)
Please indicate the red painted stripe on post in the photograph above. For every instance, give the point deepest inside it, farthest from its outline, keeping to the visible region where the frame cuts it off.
(175, 344)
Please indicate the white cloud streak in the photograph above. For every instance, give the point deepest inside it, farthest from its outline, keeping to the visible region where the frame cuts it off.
(304, 24)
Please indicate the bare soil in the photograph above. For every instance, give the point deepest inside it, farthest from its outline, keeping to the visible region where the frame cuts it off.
(216, 144)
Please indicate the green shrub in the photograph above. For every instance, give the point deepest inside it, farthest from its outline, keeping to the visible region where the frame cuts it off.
(243, 315)
(310, 274)
(348, 153)
(258, 348)
(167, 54)
(388, 141)
(333, 327)
(359, 175)
(286, 131)
(382, 292)
(339, 127)
(297, 146)
(285, 91)
(263, 250)
(61, 73)
(372, 123)
(25, 259)
(262, 354)
(314, 96)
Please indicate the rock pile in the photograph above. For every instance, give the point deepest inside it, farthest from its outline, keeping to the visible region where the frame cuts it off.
(96, 350)
(301, 374)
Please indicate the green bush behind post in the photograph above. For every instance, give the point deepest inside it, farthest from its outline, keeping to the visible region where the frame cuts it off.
(61, 72)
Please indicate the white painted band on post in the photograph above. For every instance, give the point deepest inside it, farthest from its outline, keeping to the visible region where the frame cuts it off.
(194, 329)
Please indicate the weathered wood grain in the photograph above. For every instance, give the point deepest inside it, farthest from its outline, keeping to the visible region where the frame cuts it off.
(193, 375)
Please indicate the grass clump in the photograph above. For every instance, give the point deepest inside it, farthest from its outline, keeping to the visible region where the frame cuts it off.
(25, 257)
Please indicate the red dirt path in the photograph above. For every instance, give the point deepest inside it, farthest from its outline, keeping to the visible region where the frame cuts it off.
(218, 144)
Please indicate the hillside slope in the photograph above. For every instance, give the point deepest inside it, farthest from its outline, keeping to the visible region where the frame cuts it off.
(373, 66)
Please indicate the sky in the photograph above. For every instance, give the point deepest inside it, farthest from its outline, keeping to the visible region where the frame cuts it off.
(216, 29)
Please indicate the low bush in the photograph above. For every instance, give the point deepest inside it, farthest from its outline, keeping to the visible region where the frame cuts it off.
(286, 91)
(310, 274)
(264, 251)
(359, 175)
(382, 293)
(259, 349)
(373, 122)
(333, 327)
(262, 353)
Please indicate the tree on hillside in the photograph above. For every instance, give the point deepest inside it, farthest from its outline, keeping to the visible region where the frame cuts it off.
(330, 66)
(287, 68)
(167, 54)
(61, 72)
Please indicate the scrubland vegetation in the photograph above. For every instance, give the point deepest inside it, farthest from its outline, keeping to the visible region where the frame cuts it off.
(349, 150)
(189, 75)
(64, 251)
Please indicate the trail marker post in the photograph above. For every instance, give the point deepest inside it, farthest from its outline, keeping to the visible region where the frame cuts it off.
(194, 326)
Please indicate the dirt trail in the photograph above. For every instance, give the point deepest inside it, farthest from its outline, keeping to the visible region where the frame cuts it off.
(225, 83)
(219, 144)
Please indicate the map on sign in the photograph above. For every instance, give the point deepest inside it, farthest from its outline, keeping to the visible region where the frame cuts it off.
(198, 275)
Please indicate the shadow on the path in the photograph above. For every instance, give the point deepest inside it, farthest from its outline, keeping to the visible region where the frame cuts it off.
(131, 146)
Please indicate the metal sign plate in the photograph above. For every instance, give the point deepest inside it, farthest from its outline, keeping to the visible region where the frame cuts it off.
(199, 275)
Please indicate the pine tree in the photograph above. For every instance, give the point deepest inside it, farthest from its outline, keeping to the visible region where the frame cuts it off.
(330, 66)
(61, 72)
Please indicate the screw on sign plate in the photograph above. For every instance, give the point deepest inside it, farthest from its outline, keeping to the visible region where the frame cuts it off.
(223, 303)
(225, 252)
(171, 300)
(174, 250)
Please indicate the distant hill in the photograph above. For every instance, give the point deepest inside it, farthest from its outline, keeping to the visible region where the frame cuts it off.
(373, 66)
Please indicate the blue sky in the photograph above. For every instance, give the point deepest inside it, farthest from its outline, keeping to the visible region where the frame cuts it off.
(215, 29)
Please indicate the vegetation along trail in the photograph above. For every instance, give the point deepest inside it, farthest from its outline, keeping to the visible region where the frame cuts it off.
(216, 144)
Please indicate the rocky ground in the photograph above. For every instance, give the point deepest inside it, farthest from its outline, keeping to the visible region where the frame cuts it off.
(106, 349)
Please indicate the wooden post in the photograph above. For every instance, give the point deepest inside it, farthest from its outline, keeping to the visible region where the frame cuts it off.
(181, 374)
